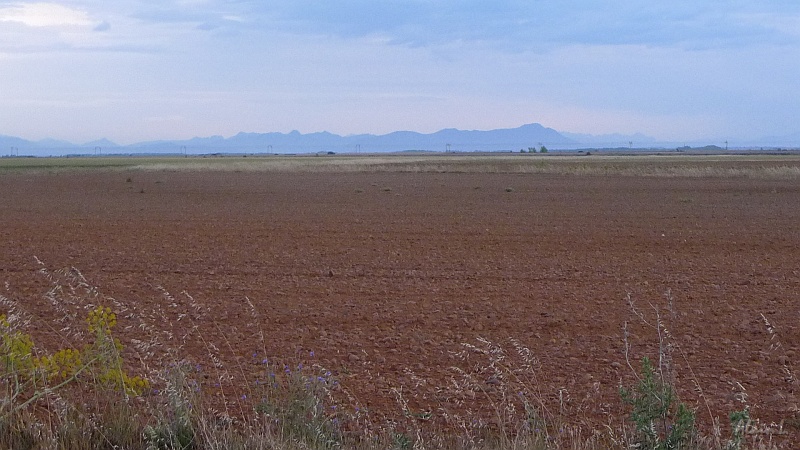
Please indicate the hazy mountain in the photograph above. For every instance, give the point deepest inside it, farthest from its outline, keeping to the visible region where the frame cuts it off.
(102, 143)
(10, 145)
(6, 142)
(295, 142)
(507, 139)
(510, 139)
(53, 143)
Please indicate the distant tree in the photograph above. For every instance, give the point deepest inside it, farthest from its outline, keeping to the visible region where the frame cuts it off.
(531, 149)
(543, 149)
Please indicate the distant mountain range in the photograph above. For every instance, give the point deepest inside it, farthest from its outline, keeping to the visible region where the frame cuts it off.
(511, 139)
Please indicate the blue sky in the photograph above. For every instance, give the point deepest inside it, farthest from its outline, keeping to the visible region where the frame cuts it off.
(173, 69)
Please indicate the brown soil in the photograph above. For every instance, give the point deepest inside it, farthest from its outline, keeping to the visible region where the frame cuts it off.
(383, 276)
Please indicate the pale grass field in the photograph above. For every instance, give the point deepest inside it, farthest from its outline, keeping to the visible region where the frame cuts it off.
(752, 166)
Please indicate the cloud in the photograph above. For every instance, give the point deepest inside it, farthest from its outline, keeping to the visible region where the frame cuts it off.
(543, 24)
(511, 25)
(508, 25)
(191, 12)
(44, 15)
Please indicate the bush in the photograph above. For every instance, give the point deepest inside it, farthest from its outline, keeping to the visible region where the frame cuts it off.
(660, 422)
(32, 383)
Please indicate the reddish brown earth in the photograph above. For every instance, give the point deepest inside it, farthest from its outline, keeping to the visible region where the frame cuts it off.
(384, 275)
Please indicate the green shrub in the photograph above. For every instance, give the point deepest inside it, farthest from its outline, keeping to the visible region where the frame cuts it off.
(661, 421)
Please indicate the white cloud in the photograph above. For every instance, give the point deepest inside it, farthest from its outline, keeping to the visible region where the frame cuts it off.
(45, 15)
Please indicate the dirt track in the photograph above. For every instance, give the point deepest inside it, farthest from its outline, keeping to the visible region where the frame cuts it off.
(383, 275)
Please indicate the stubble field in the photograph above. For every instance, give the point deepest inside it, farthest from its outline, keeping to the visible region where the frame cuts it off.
(382, 273)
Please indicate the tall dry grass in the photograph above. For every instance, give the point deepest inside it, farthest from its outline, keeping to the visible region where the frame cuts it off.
(675, 165)
(634, 166)
(183, 401)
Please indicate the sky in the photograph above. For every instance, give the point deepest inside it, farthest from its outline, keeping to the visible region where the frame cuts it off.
(134, 71)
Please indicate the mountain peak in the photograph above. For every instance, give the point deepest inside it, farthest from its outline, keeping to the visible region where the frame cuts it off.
(100, 143)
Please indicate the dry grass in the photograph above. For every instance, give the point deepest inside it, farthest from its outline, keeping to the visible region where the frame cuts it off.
(295, 405)
(650, 166)
(751, 166)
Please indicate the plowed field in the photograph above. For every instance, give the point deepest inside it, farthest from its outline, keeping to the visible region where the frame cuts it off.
(381, 277)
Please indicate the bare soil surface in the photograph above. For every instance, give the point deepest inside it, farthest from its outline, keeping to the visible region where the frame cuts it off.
(382, 277)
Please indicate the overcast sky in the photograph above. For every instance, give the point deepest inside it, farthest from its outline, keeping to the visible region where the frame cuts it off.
(173, 69)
